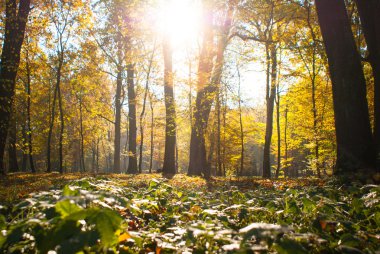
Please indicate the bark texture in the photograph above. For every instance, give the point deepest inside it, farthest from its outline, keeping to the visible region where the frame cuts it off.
(355, 149)
(16, 16)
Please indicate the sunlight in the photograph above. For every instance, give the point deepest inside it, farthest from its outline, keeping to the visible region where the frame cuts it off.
(180, 20)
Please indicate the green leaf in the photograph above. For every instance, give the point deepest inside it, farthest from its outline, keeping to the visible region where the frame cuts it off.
(107, 223)
(153, 184)
(66, 207)
(291, 206)
(69, 191)
(308, 205)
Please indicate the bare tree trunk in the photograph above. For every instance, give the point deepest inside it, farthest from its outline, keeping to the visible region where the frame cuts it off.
(241, 127)
(278, 132)
(219, 170)
(97, 156)
(170, 127)
(224, 130)
(28, 118)
(13, 36)
(132, 164)
(355, 148)
(60, 148)
(143, 108)
(209, 77)
(24, 161)
(82, 161)
(12, 151)
(369, 16)
(286, 173)
(198, 160)
(271, 93)
(119, 84)
(151, 134)
(51, 126)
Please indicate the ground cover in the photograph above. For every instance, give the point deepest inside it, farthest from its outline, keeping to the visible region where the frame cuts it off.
(147, 213)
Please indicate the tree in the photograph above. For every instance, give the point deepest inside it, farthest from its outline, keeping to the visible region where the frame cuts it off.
(142, 114)
(209, 77)
(369, 16)
(355, 149)
(16, 18)
(266, 21)
(132, 165)
(170, 126)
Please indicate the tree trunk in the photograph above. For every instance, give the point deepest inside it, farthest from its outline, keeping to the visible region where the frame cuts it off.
(28, 118)
(143, 109)
(13, 36)
(116, 158)
(355, 149)
(369, 15)
(132, 165)
(60, 148)
(225, 107)
(278, 132)
(24, 161)
(12, 151)
(241, 128)
(151, 134)
(271, 93)
(219, 170)
(51, 126)
(209, 77)
(286, 173)
(198, 161)
(170, 127)
(82, 161)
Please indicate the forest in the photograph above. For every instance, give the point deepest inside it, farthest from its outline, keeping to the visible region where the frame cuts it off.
(190, 126)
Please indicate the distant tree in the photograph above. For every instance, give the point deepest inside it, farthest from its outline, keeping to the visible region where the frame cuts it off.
(170, 126)
(132, 165)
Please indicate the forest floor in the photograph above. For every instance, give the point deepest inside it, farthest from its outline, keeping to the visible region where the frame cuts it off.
(147, 213)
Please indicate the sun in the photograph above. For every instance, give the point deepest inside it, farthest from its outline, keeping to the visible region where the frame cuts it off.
(180, 20)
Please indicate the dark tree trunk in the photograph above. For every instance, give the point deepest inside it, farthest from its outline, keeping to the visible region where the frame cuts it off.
(14, 30)
(170, 127)
(132, 165)
(198, 160)
(355, 149)
(61, 117)
(370, 18)
(12, 150)
(82, 161)
(278, 132)
(24, 161)
(51, 126)
(209, 77)
(241, 129)
(271, 93)
(151, 134)
(28, 118)
(143, 110)
(116, 158)
(219, 170)
(225, 108)
(286, 173)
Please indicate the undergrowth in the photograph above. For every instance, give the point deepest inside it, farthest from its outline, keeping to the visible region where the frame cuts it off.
(187, 215)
